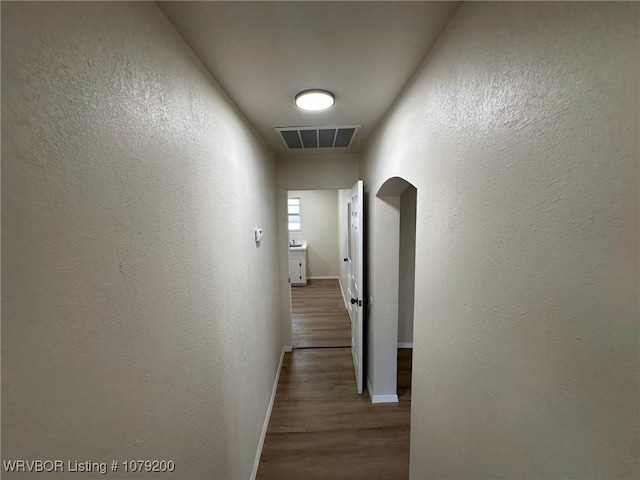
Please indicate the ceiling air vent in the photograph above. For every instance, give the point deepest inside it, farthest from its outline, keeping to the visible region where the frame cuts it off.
(340, 136)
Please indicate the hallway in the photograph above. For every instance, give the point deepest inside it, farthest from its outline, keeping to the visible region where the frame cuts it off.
(321, 428)
(318, 316)
(148, 149)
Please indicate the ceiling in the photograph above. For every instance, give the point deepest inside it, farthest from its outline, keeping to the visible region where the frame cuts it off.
(263, 53)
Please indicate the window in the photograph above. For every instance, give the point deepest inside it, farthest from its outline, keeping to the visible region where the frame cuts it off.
(293, 208)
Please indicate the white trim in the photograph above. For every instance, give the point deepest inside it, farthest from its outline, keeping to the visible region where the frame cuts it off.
(380, 398)
(405, 344)
(384, 399)
(287, 348)
(267, 417)
(346, 305)
(323, 278)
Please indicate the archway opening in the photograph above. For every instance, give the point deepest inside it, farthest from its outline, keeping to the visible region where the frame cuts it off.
(395, 239)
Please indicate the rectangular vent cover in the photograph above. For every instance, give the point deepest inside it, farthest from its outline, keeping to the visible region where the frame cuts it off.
(337, 136)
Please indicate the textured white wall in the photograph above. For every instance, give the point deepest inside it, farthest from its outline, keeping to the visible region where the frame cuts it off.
(319, 213)
(311, 172)
(520, 132)
(139, 320)
(382, 250)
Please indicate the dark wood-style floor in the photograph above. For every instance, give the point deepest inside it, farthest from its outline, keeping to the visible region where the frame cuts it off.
(320, 428)
(319, 318)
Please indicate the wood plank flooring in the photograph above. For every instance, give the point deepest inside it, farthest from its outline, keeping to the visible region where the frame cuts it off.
(319, 318)
(320, 428)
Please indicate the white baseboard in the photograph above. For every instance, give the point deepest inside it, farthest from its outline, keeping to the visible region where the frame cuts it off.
(323, 278)
(384, 399)
(405, 344)
(287, 348)
(380, 398)
(369, 389)
(267, 417)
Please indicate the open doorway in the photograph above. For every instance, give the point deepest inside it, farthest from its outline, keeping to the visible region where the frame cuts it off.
(395, 237)
(319, 316)
(406, 289)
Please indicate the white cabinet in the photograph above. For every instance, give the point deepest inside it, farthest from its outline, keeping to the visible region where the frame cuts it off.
(298, 264)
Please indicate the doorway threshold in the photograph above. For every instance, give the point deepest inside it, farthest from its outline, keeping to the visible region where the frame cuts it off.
(320, 346)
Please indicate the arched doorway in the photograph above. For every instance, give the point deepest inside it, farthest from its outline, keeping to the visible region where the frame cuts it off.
(394, 241)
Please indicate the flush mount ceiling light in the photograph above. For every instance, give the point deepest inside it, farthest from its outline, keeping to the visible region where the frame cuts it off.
(315, 100)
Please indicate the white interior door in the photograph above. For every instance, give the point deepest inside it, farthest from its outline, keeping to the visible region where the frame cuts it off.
(355, 291)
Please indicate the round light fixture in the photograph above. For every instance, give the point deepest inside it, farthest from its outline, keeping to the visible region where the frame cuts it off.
(315, 100)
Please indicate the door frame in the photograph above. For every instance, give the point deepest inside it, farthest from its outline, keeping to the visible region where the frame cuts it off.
(283, 252)
(384, 241)
(358, 300)
(282, 194)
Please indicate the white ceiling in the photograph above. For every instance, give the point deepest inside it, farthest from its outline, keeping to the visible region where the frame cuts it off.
(263, 53)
